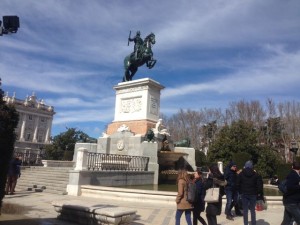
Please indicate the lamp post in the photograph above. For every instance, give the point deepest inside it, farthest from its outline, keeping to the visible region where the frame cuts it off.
(294, 147)
(11, 24)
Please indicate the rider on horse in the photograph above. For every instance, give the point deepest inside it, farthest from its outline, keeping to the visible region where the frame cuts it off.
(142, 55)
(138, 42)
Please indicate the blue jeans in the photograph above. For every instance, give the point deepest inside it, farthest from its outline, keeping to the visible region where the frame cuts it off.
(231, 200)
(249, 202)
(187, 216)
(291, 213)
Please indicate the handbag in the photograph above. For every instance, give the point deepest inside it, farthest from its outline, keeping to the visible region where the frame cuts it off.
(212, 195)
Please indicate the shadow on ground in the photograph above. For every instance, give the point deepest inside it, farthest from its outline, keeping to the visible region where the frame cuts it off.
(10, 219)
(13, 214)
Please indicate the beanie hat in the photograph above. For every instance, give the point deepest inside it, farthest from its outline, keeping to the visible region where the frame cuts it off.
(249, 164)
(232, 164)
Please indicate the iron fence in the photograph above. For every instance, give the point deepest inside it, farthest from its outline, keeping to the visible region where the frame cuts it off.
(100, 161)
(31, 159)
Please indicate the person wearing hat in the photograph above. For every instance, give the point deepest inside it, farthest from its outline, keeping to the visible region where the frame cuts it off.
(230, 175)
(291, 199)
(249, 185)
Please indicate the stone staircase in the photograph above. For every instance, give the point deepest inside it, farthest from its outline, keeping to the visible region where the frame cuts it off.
(46, 179)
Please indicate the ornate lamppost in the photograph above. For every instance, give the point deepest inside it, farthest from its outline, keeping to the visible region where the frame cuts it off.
(294, 147)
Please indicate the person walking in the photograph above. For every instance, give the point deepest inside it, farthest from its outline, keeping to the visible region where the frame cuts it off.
(291, 199)
(249, 184)
(231, 192)
(13, 175)
(183, 206)
(199, 206)
(215, 179)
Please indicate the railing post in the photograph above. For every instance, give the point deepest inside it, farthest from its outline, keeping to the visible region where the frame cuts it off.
(81, 161)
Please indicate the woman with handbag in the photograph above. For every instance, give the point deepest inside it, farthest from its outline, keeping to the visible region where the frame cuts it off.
(215, 182)
(181, 199)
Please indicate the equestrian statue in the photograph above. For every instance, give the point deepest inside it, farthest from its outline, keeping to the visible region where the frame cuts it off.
(142, 54)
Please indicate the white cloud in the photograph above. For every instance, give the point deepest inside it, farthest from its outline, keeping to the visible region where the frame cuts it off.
(265, 76)
(71, 54)
(64, 117)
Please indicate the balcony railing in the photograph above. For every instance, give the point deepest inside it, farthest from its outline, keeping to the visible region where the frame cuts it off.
(31, 159)
(100, 161)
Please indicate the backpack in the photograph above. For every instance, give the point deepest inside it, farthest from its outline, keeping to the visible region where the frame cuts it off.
(282, 186)
(192, 192)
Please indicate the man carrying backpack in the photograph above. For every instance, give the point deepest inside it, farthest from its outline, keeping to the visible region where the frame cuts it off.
(291, 199)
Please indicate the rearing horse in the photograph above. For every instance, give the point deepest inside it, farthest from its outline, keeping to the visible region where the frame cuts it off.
(144, 55)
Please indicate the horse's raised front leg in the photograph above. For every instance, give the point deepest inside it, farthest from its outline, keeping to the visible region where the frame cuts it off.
(151, 63)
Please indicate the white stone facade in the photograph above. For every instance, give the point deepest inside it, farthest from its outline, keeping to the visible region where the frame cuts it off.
(35, 122)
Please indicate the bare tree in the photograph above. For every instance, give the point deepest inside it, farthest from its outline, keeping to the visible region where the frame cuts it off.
(277, 124)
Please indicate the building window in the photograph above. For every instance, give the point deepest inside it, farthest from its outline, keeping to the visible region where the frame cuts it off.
(30, 117)
(28, 137)
(40, 138)
(43, 119)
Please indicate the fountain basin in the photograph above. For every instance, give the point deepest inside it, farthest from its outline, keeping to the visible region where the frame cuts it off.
(168, 158)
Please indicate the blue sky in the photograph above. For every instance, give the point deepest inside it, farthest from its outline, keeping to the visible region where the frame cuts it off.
(209, 53)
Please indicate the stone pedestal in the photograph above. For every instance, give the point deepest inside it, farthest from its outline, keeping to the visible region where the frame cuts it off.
(137, 105)
(137, 110)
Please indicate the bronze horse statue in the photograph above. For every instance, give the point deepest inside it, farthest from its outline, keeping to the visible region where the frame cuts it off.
(144, 55)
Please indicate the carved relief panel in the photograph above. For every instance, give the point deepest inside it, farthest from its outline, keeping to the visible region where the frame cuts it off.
(154, 106)
(131, 105)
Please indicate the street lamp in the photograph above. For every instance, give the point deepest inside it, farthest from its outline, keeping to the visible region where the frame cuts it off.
(10, 25)
(294, 146)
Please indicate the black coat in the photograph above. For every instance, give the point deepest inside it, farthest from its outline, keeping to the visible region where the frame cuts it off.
(200, 204)
(231, 178)
(293, 188)
(216, 207)
(249, 182)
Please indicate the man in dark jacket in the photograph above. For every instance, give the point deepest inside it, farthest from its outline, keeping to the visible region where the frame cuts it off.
(230, 175)
(291, 199)
(249, 185)
(13, 175)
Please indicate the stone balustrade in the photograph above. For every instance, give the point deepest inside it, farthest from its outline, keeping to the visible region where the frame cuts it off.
(56, 163)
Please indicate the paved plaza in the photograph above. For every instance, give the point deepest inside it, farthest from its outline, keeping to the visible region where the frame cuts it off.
(38, 210)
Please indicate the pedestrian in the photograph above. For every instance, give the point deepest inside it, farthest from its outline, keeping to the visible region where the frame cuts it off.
(13, 175)
(274, 180)
(183, 206)
(231, 191)
(215, 179)
(291, 199)
(199, 206)
(249, 185)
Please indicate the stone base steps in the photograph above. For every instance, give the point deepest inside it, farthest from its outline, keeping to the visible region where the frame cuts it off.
(147, 196)
(46, 179)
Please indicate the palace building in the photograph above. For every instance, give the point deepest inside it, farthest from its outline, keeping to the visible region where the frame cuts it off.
(35, 123)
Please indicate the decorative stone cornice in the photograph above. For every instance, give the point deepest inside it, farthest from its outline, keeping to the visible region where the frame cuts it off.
(30, 104)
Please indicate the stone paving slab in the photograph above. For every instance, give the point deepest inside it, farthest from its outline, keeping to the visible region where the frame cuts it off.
(39, 211)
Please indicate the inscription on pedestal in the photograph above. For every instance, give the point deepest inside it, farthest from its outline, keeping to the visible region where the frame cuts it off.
(131, 105)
